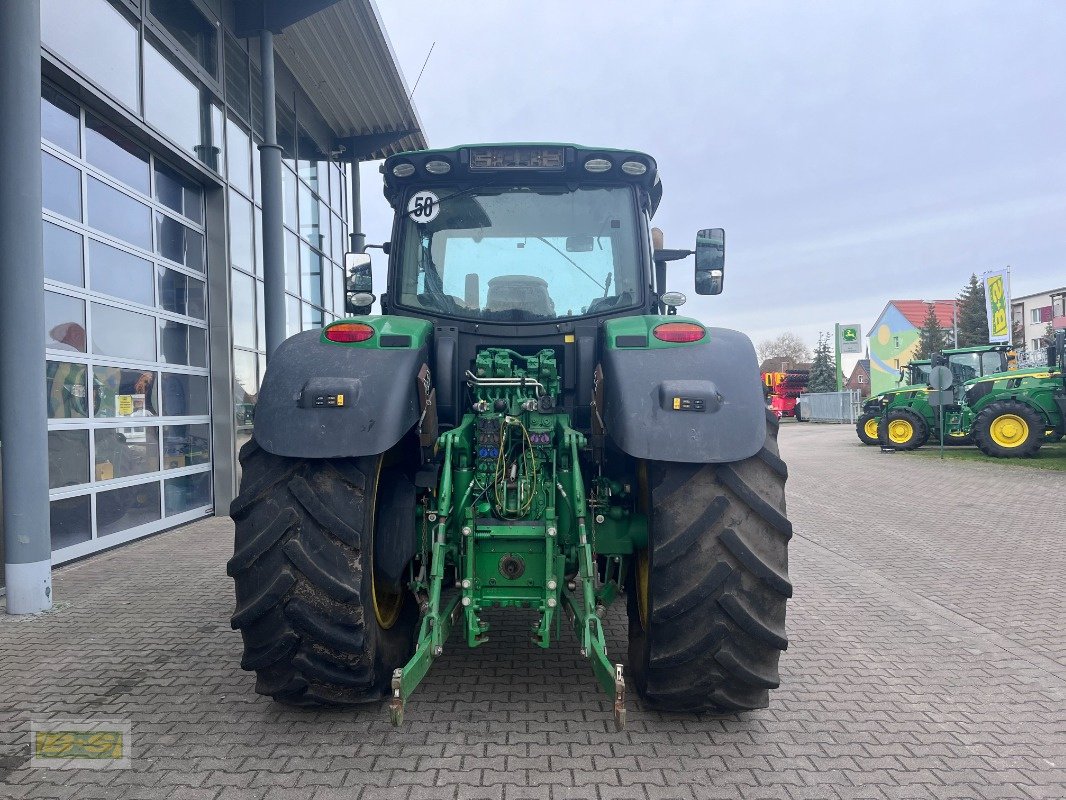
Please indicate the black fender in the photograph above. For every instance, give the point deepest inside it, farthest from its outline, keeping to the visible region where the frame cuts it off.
(716, 383)
(295, 418)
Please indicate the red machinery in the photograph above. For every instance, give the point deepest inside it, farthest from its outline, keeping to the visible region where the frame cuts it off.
(783, 390)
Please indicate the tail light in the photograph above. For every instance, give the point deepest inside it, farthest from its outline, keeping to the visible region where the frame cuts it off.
(348, 332)
(678, 332)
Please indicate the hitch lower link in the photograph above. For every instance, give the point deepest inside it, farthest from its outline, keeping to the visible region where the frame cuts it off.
(441, 614)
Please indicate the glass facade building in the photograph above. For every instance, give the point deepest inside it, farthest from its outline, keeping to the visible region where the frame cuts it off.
(151, 115)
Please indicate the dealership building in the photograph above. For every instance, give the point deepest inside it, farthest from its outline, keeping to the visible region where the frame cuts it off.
(196, 197)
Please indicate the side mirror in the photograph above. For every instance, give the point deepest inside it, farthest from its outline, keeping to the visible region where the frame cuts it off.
(358, 297)
(710, 261)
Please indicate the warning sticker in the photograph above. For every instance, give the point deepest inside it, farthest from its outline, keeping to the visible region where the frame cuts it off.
(423, 207)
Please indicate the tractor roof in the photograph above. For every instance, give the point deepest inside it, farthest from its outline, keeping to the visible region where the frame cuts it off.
(987, 348)
(536, 162)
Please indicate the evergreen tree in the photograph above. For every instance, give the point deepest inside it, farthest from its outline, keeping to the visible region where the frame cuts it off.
(823, 376)
(972, 320)
(931, 338)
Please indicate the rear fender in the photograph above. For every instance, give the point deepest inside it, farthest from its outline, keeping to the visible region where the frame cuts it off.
(325, 400)
(699, 403)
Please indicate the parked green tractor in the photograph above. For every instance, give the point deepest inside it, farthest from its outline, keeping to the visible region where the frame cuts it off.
(528, 428)
(913, 377)
(1011, 414)
(907, 420)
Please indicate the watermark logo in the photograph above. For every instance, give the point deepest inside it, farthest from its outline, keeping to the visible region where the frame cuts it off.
(80, 744)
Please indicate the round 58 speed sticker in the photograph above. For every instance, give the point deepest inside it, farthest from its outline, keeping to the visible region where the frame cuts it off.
(423, 207)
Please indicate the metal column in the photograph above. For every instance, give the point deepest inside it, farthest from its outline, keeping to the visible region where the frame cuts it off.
(357, 237)
(273, 210)
(23, 410)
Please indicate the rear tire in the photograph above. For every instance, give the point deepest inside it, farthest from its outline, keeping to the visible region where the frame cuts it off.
(707, 603)
(1009, 429)
(904, 429)
(867, 428)
(303, 572)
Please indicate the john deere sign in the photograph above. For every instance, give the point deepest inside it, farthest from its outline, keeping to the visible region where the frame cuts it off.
(997, 305)
(850, 339)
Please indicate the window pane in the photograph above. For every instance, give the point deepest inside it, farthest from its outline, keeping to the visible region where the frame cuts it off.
(243, 300)
(186, 445)
(124, 452)
(61, 187)
(238, 157)
(185, 395)
(116, 272)
(197, 299)
(121, 509)
(64, 322)
(309, 219)
(287, 135)
(310, 275)
(258, 241)
(68, 458)
(119, 215)
(241, 251)
(327, 285)
(288, 190)
(292, 263)
(67, 390)
(312, 317)
(313, 163)
(125, 392)
(238, 91)
(197, 347)
(245, 388)
(323, 227)
(187, 492)
(60, 120)
(337, 241)
(71, 521)
(193, 32)
(177, 106)
(260, 315)
(78, 32)
(178, 193)
(292, 316)
(257, 174)
(338, 290)
(123, 334)
(63, 255)
(335, 187)
(115, 154)
(174, 343)
(179, 243)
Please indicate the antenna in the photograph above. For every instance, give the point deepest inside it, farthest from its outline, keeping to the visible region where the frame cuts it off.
(422, 70)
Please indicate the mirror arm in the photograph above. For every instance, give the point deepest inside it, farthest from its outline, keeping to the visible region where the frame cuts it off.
(671, 255)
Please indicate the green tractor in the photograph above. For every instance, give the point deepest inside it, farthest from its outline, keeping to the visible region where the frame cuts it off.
(913, 377)
(529, 427)
(908, 420)
(1011, 414)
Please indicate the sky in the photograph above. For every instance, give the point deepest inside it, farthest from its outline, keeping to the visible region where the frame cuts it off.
(853, 152)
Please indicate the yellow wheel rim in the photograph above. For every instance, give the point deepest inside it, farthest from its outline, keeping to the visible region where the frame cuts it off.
(387, 601)
(1008, 430)
(871, 428)
(900, 431)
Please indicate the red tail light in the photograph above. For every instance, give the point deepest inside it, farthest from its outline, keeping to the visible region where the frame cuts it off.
(347, 332)
(678, 332)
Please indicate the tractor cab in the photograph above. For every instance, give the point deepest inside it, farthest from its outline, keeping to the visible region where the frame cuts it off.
(967, 363)
(544, 243)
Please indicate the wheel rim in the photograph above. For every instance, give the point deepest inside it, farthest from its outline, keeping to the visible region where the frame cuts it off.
(387, 601)
(1009, 430)
(900, 431)
(871, 428)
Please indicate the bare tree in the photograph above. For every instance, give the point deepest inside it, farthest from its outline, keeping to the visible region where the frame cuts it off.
(788, 346)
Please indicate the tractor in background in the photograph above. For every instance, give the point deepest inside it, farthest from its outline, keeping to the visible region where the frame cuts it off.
(913, 377)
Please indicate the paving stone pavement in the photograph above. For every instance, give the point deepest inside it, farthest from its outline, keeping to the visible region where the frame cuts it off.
(927, 660)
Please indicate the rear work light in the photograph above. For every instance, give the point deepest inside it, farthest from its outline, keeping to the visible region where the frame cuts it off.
(348, 332)
(678, 332)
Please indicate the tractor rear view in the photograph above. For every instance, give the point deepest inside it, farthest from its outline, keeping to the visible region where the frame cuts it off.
(528, 425)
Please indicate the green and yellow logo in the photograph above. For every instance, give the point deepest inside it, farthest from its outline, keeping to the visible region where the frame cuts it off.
(849, 334)
(997, 301)
(74, 744)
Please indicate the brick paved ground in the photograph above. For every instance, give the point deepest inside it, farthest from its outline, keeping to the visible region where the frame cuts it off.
(927, 660)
